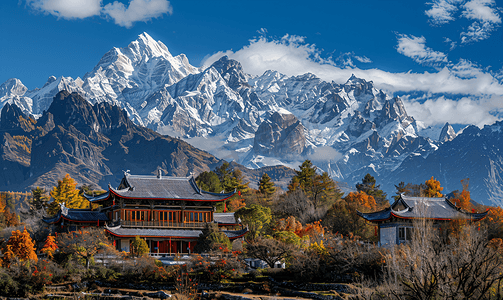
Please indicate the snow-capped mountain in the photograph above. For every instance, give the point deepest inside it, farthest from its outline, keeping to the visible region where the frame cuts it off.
(347, 129)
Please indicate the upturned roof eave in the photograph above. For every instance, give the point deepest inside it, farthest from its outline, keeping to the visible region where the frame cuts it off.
(225, 197)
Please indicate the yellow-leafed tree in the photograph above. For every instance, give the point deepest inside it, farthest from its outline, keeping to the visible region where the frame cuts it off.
(66, 192)
(433, 188)
(21, 246)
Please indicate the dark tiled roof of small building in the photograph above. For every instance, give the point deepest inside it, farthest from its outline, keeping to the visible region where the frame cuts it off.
(168, 233)
(164, 187)
(381, 215)
(225, 218)
(97, 198)
(422, 207)
(234, 234)
(165, 233)
(78, 215)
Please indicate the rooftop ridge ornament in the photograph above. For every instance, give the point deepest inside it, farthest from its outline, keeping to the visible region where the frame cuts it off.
(64, 209)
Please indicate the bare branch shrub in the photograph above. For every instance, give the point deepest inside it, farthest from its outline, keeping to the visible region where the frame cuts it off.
(298, 204)
(431, 267)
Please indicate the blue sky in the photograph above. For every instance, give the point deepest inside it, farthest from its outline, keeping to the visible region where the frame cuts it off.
(443, 56)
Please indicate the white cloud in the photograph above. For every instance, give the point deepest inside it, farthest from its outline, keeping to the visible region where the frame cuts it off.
(290, 55)
(438, 111)
(324, 154)
(363, 59)
(415, 48)
(138, 10)
(462, 78)
(68, 9)
(481, 10)
(483, 13)
(442, 11)
(486, 19)
(478, 31)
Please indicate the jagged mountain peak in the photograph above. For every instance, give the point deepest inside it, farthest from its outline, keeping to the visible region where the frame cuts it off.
(232, 71)
(353, 80)
(50, 80)
(12, 87)
(72, 109)
(145, 47)
(447, 133)
(13, 120)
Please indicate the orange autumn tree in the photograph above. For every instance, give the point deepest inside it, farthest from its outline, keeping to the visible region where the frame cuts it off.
(342, 217)
(236, 204)
(50, 246)
(433, 188)
(494, 222)
(361, 201)
(462, 200)
(20, 245)
(313, 230)
(288, 224)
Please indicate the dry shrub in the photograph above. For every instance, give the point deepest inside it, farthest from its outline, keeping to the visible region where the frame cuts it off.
(430, 267)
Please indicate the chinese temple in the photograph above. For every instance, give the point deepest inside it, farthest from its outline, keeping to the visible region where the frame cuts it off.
(395, 223)
(168, 212)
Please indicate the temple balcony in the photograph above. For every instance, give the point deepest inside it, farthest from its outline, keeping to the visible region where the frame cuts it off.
(158, 224)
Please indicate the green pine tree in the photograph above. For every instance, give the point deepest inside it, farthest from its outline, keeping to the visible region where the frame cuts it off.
(266, 185)
(368, 185)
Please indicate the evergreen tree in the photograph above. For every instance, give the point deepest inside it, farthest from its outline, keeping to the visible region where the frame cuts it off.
(324, 191)
(369, 187)
(401, 188)
(256, 217)
(266, 185)
(223, 172)
(39, 200)
(320, 189)
(212, 239)
(208, 181)
(304, 177)
(235, 182)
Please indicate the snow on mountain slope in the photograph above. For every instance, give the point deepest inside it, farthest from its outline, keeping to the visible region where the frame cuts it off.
(346, 129)
(13, 92)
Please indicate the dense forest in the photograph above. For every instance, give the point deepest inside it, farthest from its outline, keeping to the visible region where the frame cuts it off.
(312, 227)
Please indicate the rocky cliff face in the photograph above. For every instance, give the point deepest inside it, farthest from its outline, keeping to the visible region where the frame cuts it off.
(366, 130)
(92, 143)
(281, 134)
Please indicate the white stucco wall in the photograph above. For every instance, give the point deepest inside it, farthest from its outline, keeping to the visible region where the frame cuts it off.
(388, 236)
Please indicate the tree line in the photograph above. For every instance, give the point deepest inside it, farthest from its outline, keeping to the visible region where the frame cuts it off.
(312, 227)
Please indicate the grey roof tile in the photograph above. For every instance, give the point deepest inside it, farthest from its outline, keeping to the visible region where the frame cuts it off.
(165, 187)
(423, 207)
(225, 218)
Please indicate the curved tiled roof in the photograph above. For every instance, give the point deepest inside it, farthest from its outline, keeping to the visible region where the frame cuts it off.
(78, 215)
(100, 197)
(225, 218)
(168, 233)
(422, 207)
(165, 187)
